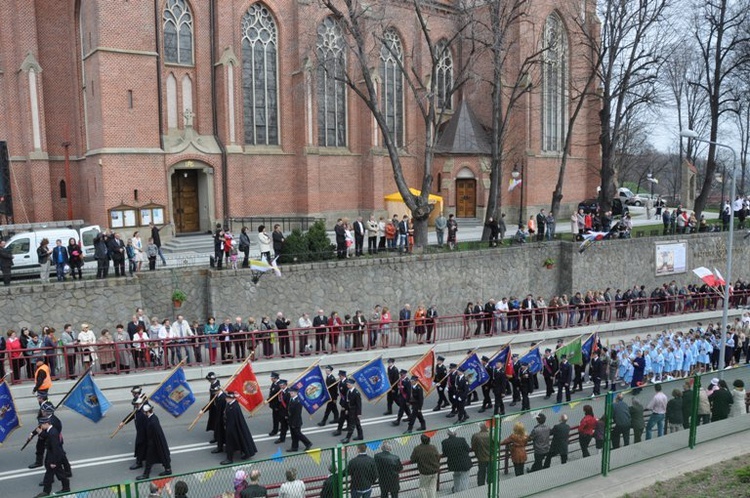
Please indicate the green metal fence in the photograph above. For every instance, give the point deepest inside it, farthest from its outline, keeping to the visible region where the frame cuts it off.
(610, 452)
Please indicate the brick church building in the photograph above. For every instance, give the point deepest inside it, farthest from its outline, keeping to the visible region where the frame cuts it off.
(120, 112)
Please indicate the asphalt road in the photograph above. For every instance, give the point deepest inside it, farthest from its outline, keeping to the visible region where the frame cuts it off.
(98, 460)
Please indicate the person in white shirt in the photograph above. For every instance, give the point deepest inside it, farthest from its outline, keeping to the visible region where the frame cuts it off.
(501, 313)
(293, 487)
(305, 324)
(658, 407)
(86, 341)
(183, 336)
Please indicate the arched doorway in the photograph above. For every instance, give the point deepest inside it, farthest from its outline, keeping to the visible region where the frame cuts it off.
(191, 184)
(466, 194)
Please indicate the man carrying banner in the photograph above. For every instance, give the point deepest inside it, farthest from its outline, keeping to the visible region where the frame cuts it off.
(283, 411)
(393, 376)
(564, 375)
(441, 377)
(515, 381)
(451, 388)
(140, 419)
(416, 401)
(343, 388)
(487, 386)
(47, 410)
(214, 415)
(53, 461)
(333, 392)
(549, 367)
(236, 433)
(462, 394)
(499, 384)
(157, 450)
(354, 412)
(403, 395)
(295, 421)
(274, 403)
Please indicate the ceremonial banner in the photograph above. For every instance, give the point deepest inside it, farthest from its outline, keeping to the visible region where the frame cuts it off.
(8, 414)
(590, 345)
(245, 384)
(86, 398)
(312, 390)
(475, 372)
(500, 357)
(533, 359)
(572, 350)
(372, 379)
(424, 369)
(174, 395)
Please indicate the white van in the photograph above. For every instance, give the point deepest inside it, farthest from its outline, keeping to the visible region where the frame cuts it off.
(23, 246)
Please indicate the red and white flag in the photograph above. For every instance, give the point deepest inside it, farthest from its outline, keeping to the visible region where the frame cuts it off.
(245, 384)
(424, 369)
(719, 278)
(706, 275)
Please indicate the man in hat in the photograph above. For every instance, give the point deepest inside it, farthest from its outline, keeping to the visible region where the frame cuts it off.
(42, 378)
(295, 421)
(563, 376)
(283, 411)
(274, 403)
(440, 379)
(456, 451)
(403, 395)
(549, 367)
(462, 394)
(219, 426)
(499, 384)
(393, 377)
(157, 450)
(343, 388)
(450, 385)
(47, 410)
(515, 380)
(333, 392)
(540, 437)
(354, 412)
(527, 385)
(416, 401)
(139, 418)
(237, 435)
(487, 386)
(54, 457)
(214, 415)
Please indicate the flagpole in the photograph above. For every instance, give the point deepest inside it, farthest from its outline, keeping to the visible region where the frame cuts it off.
(267, 401)
(213, 398)
(365, 366)
(80, 379)
(13, 401)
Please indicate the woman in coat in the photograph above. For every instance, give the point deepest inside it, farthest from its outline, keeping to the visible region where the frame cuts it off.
(517, 442)
(106, 351)
(86, 341)
(265, 244)
(738, 397)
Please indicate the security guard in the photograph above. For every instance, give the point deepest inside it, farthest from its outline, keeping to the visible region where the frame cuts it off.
(42, 378)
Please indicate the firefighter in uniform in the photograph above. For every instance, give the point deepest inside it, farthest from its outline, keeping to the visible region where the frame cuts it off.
(333, 392)
(441, 376)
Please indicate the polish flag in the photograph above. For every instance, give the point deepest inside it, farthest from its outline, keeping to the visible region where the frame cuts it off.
(705, 274)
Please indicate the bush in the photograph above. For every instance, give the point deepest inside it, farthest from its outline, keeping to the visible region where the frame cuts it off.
(295, 248)
(318, 243)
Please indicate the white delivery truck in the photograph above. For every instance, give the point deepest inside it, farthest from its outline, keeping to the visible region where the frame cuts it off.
(23, 246)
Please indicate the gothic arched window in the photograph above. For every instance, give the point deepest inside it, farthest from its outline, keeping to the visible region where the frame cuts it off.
(331, 87)
(259, 76)
(178, 33)
(392, 85)
(444, 75)
(554, 85)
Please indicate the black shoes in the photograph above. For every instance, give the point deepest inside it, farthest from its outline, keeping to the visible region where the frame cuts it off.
(396, 423)
(336, 433)
(226, 462)
(136, 465)
(307, 447)
(142, 477)
(322, 424)
(279, 441)
(35, 465)
(216, 450)
(345, 440)
(167, 472)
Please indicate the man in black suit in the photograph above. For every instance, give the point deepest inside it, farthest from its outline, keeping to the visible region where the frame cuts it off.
(549, 367)
(392, 379)
(499, 384)
(359, 236)
(283, 410)
(564, 375)
(487, 386)
(116, 248)
(343, 414)
(595, 372)
(274, 403)
(295, 421)
(416, 402)
(462, 394)
(515, 380)
(541, 225)
(53, 461)
(333, 392)
(450, 386)
(363, 472)
(527, 385)
(528, 306)
(403, 395)
(354, 412)
(440, 378)
(404, 319)
(489, 310)
(237, 435)
(319, 324)
(389, 466)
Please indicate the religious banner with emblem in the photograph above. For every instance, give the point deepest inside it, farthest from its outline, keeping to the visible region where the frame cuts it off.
(476, 374)
(86, 398)
(424, 369)
(372, 379)
(174, 394)
(245, 384)
(8, 415)
(312, 389)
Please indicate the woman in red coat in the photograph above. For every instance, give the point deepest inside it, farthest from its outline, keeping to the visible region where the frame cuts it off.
(13, 347)
(334, 330)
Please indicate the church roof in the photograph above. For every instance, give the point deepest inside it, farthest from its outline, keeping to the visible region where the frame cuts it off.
(464, 134)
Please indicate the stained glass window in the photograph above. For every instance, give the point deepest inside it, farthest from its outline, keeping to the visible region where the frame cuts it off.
(392, 85)
(178, 33)
(331, 89)
(554, 85)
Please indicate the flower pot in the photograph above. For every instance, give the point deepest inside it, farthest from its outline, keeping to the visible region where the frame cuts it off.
(177, 304)
(550, 266)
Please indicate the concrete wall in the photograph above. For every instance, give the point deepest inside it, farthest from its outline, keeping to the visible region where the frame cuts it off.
(449, 280)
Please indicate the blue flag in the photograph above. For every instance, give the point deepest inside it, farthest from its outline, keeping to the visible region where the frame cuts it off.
(533, 359)
(588, 347)
(175, 395)
(8, 414)
(372, 379)
(500, 357)
(313, 392)
(476, 374)
(87, 399)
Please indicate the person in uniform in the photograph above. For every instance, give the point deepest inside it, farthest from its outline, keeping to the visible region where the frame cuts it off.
(440, 378)
(157, 449)
(295, 421)
(462, 394)
(274, 403)
(283, 411)
(527, 385)
(139, 421)
(237, 436)
(403, 395)
(219, 428)
(333, 392)
(344, 414)
(214, 421)
(393, 377)
(451, 388)
(487, 386)
(354, 412)
(515, 381)
(47, 410)
(42, 378)
(549, 367)
(499, 384)
(563, 376)
(416, 401)
(53, 459)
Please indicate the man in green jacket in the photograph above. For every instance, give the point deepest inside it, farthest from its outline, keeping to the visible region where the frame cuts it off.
(480, 445)
(427, 459)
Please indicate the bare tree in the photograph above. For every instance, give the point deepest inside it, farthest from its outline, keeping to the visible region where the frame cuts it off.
(742, 120)
(367, 26)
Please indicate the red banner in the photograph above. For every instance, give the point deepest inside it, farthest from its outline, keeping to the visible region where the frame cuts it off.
(245, 384)
(424, 369)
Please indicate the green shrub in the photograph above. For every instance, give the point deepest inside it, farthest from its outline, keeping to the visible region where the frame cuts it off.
(295, 248)
(318, 243)
(743, 474)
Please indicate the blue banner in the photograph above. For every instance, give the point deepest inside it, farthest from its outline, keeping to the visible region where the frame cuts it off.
(501, 357)
(533, 359)
(313, 392)
(588, 347)
(175, 395)
(372, 379)
(8, 414)
(475, 372)
(88, 400)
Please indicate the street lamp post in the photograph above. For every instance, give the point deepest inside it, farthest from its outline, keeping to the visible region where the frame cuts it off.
(730, 244)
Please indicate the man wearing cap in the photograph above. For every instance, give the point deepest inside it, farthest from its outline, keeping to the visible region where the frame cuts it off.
(295, 421)
(393, 377)
(450, 385)
(417, 402)
(139, 421)
(403, 395)
(333, 392)
(499, 385)
(354, 412)
(42, 378)
(487, 386)
(549, 367)
(54, 456)
(237, 436)
(343, 388)
(47, 410)
(283, 410)
(214, 415)
(440, 378)
(157, 450)
(274, 403)
(563, 376)
(456, 452)
(462, 393)
(515, 381)
(527, 385)
(540, 437)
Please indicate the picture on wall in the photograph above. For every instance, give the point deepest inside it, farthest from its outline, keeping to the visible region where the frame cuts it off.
(671, 258)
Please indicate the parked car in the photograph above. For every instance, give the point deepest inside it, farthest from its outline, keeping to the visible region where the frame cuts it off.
(23, 246)
(591, 206)
(637, 200)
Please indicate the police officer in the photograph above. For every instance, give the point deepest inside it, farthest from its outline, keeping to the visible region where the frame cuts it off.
(54, 456)
(462, 394)
(416, 401)
(354, 412)
(487, 386)
(274, 403)
(393, 376)
(403, 395)
(333, 392)
(344, 414)
(440, 379)
(451, 388)
(283, 411)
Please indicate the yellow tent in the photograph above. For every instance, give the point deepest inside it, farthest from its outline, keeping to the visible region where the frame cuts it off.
(394, 204)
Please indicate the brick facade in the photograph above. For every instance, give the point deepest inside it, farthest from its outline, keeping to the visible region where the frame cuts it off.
(102, 80)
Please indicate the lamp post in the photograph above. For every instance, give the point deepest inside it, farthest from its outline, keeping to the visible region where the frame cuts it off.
(515, 174)
(690, 134)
